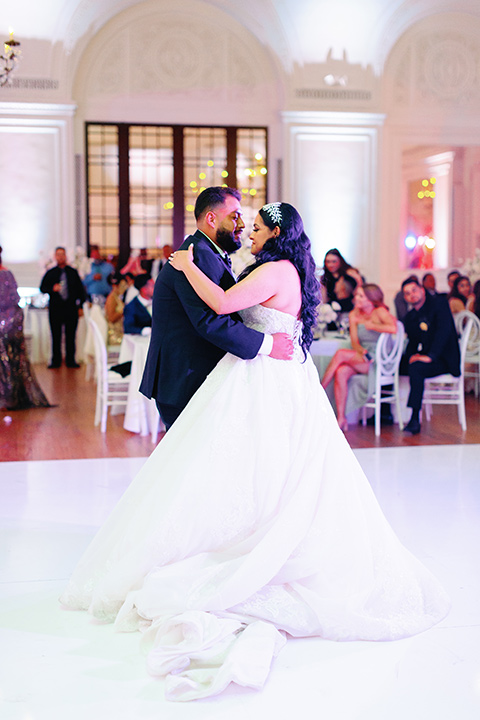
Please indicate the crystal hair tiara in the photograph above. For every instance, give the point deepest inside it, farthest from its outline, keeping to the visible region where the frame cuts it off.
(274, 212)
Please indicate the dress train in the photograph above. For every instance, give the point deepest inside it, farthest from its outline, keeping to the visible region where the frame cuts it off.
(252, 520)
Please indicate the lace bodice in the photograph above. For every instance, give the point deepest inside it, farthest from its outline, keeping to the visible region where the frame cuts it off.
(270, 321)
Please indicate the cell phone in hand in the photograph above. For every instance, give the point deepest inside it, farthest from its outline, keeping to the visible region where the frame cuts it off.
(367, 356)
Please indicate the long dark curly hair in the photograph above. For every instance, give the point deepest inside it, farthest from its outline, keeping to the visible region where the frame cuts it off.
(476, 303)
(455, 292)
(292, 244)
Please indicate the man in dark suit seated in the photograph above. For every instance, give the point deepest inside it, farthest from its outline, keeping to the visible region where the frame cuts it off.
(432, 348)
(188, 338)
(137, 314)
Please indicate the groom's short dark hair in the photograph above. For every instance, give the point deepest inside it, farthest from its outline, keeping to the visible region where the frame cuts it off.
(212, 197)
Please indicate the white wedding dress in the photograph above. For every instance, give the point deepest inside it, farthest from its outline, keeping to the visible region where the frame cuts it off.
(251, 520)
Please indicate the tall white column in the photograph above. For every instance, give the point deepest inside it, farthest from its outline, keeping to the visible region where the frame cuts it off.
(331, 176)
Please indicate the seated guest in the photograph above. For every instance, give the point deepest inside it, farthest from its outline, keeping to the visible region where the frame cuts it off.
(131, 291)
(335, 269)
(96, 281)
(368, 319)
(432, 344)
(343, 290)
(137, 314)
(460, 294)
(474, 305)
(401, 305)
(451, 277)
(19, 388)
(114, 309)
(429, 283)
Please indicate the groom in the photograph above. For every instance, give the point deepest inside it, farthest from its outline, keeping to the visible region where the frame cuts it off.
(188, 339)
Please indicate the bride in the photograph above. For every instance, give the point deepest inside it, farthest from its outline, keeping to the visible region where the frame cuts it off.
(252, 519)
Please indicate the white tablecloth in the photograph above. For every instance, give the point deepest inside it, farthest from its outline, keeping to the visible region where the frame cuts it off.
(324, 349)
(140, 413)
(38, 337)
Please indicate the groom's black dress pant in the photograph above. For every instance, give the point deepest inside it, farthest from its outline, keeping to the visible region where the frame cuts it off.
(168, 413)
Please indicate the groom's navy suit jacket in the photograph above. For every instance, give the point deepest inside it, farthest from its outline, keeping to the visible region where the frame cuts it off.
(188, 338)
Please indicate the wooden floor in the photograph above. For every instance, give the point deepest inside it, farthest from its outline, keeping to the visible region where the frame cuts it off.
(67, 430)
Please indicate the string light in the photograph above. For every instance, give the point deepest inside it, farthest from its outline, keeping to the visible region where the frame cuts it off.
(410, 242)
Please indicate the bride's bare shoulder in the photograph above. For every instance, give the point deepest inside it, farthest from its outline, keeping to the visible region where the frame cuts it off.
(277, 266)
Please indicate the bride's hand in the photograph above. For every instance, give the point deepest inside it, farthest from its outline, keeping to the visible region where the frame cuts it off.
(181, 259)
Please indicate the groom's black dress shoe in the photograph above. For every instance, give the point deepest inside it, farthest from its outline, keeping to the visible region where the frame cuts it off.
(413, 427)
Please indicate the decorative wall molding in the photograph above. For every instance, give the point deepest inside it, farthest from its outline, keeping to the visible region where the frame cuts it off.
(179, 54)
(33, 84)
(334, 84)
(25, 110)
(329, 94)
(334, 119)
(435, 65)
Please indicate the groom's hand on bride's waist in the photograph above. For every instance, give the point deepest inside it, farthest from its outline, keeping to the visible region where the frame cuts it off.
(282, 347)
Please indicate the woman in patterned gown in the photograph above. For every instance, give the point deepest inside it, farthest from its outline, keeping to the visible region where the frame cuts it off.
(19, 388)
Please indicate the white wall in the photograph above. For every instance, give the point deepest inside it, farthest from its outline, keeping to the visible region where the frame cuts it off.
(331, 178)
(36, 184)
(224, 63)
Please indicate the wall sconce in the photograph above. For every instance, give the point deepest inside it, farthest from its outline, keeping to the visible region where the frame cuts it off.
(9, 60)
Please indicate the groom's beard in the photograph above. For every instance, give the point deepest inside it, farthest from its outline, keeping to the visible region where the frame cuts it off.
(228, 241)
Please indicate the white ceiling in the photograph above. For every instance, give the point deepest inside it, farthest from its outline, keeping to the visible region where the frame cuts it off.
(366, 29)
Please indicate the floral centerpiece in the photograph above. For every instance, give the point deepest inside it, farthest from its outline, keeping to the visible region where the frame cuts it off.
(471, 267)
(327, 313)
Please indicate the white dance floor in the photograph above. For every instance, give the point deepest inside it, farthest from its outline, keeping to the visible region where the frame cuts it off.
(56, 664)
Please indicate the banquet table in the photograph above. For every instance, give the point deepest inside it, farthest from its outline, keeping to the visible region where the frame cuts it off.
(323, 349)
(38, 336)
(140, 413)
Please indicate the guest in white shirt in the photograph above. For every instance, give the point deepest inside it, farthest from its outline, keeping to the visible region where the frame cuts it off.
(131, 291)
(137, 314)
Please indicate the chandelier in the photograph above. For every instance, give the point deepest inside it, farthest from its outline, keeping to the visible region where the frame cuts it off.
(9, 59)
